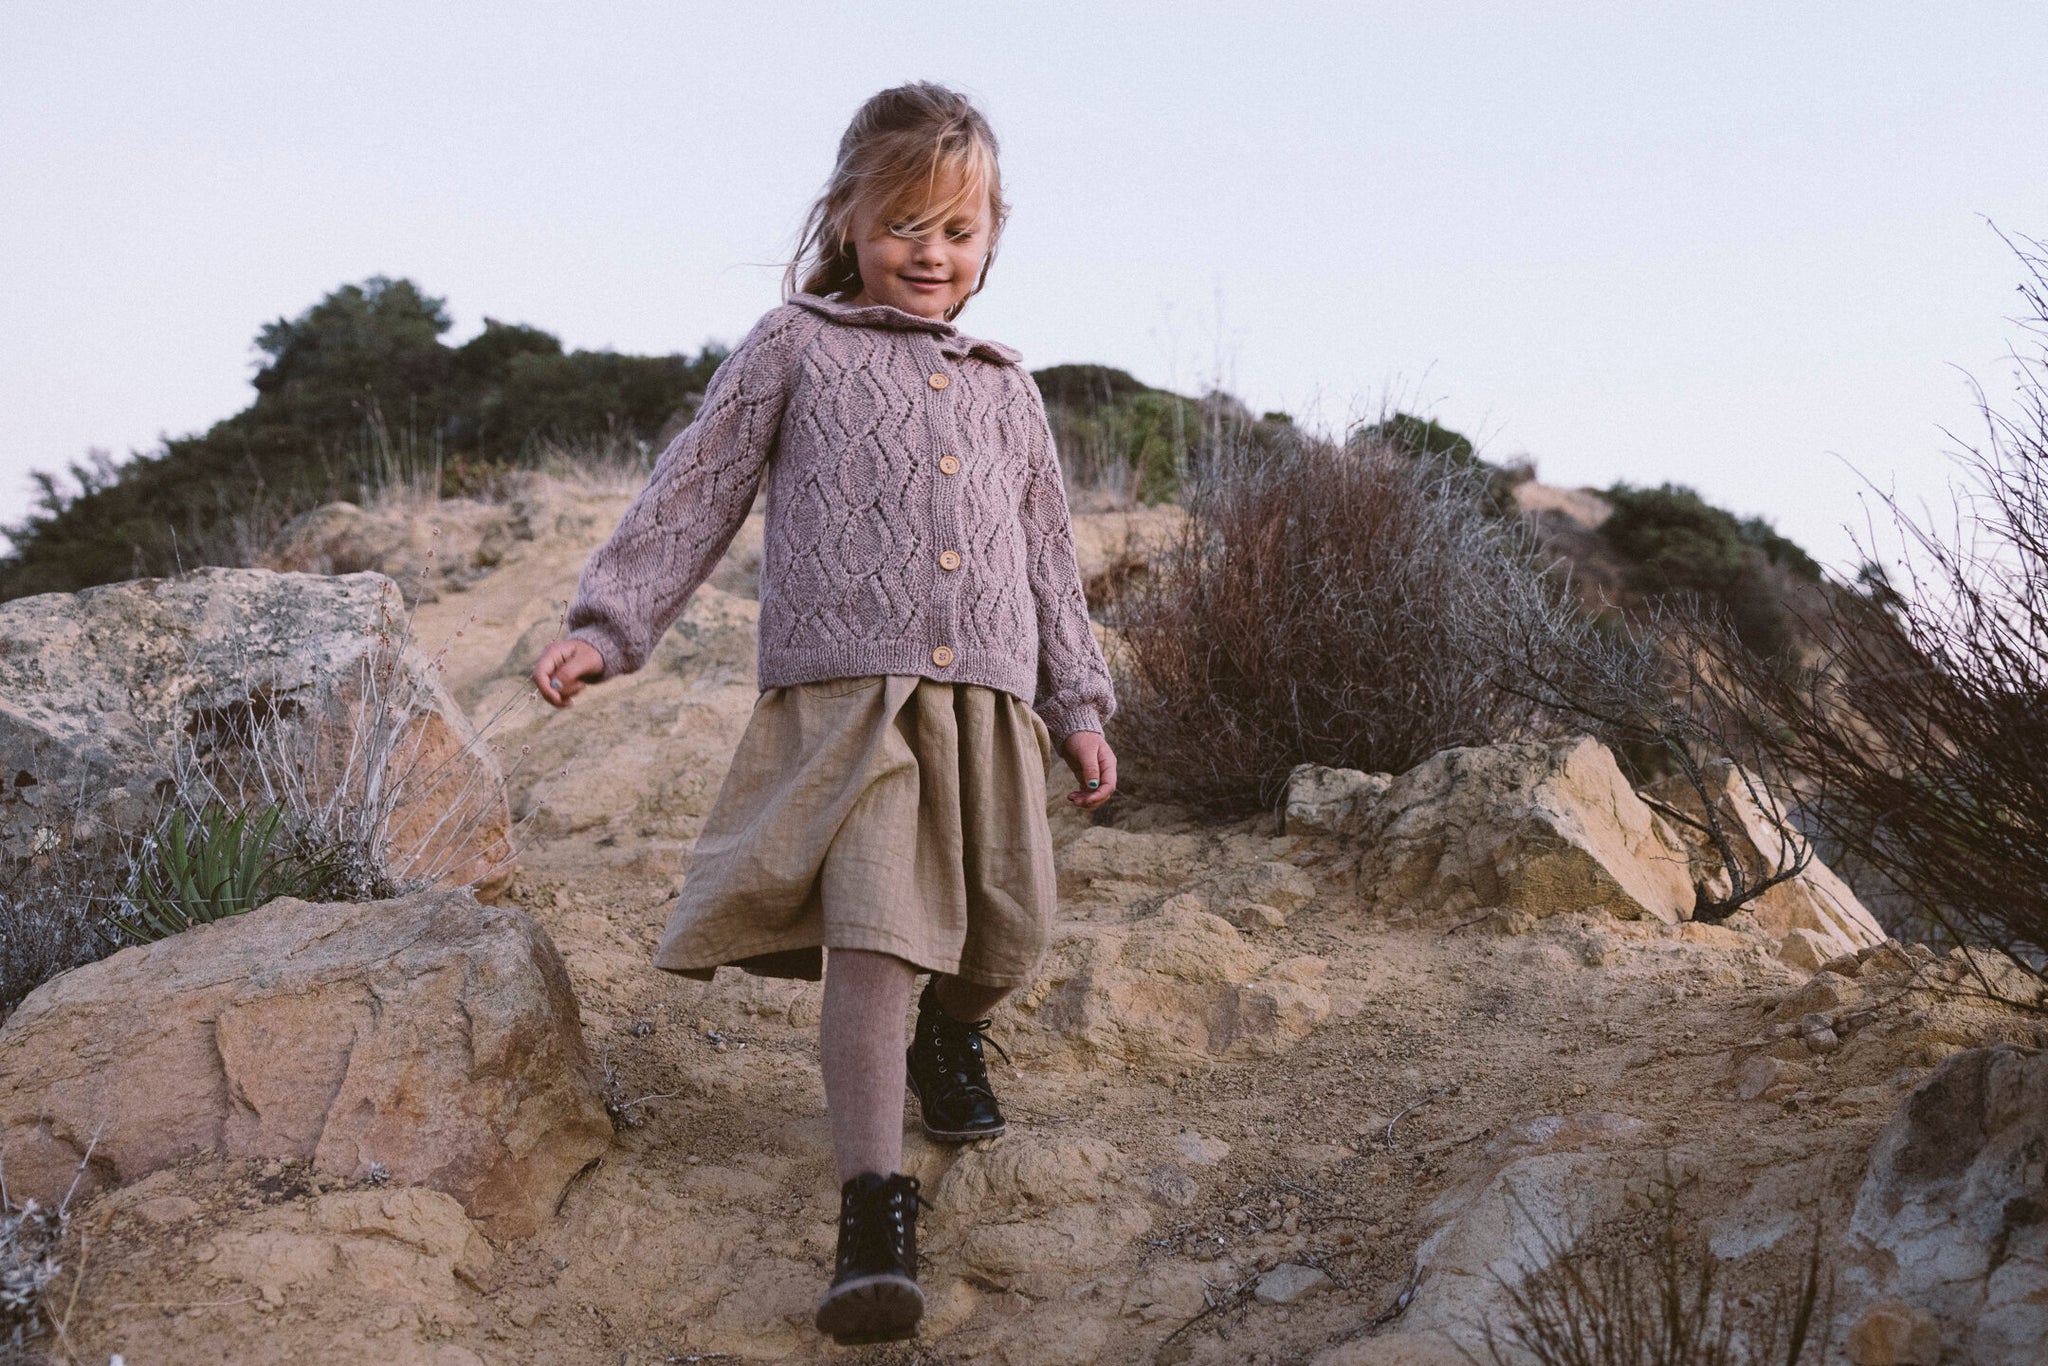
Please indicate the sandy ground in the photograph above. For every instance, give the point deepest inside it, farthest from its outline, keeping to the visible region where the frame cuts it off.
(1147, 1181)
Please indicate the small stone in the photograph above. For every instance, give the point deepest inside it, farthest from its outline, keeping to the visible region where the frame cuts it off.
(1262, 917)
(1290, 1282)
(1894, 1333)
(1757, 1076)
(1820, 1040)
(1200, 1151)
(1807, 950)
(1170, 1185)
(523, 1315)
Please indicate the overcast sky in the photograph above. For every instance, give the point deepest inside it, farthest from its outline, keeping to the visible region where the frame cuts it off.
(1742, 247)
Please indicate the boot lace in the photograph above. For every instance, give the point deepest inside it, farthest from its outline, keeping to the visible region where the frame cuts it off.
(877, 1225)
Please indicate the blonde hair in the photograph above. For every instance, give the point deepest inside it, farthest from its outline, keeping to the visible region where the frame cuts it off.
(901, 144)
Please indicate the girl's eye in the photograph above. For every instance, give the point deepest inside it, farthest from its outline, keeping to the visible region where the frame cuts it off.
(961, 234)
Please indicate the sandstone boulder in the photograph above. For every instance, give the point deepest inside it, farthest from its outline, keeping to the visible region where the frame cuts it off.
(430, 1036)
(1815, 901)
(1545, 1183)
(98, 688)
(459, 544)
(1543, 827)
(1181, 985)
(1331, 801)
(1032, 1209)
(1952, 1216)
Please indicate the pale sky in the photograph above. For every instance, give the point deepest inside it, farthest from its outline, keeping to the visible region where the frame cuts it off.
(1737, 246)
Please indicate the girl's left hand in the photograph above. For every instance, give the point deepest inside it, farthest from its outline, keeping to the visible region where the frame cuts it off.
(1094, 763)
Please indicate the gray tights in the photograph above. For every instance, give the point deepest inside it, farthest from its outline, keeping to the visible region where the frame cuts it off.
(860, 1047)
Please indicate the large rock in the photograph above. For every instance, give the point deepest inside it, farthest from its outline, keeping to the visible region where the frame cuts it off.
(1332, 801)
(1180, 986)
(461, 543)
(1815, 901)
(1952, 1217)
(99, 688)
(430, 1036)
(1544, 828)
(1035, 1209)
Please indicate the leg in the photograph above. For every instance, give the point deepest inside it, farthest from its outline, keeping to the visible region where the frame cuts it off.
(860, 1048)
(968, 1001)
(874, 1295)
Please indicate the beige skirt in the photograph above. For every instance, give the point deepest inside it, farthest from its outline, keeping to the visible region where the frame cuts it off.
(897, 814)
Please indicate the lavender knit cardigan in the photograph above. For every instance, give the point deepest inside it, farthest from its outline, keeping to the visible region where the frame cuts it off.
(916, 521)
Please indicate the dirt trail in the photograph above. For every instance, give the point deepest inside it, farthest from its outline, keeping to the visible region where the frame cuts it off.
(1191, 1106)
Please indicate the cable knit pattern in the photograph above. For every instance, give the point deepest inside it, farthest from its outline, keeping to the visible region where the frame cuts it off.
(850, 411)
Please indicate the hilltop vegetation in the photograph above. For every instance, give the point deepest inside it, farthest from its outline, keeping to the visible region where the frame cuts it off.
(357, 392)
(361, 392)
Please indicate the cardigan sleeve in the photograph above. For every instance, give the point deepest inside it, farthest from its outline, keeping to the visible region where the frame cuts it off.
(676, 528)
(1074, 692)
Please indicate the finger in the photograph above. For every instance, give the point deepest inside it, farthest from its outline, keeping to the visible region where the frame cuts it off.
(1089, 769)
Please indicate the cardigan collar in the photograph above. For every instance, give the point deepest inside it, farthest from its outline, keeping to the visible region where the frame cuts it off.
(952, 342)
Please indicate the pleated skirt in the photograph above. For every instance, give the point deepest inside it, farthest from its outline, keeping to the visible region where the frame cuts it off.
(895, 813)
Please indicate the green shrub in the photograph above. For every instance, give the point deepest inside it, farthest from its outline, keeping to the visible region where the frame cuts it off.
(1674, 541)
(1083, 387)
(360, 375)
(1141, 440)
(1414, 436)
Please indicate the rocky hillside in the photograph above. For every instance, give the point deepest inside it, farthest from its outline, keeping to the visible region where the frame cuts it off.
(1300, 1089)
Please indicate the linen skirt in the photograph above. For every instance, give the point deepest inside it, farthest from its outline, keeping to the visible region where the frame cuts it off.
(894, 813)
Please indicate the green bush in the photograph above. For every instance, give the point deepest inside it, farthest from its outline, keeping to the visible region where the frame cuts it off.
(1674, 541)
(1083, 387)
(361, 374)
(1414, 437)
(1109, 428)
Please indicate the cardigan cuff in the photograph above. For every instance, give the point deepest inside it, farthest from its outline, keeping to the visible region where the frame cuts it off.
(608, 649)
(1067, 720)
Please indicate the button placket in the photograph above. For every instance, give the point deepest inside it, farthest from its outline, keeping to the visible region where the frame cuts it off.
(943, 429)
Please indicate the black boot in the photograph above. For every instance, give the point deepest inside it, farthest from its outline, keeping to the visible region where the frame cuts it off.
(948, 1076)
(874, 1295)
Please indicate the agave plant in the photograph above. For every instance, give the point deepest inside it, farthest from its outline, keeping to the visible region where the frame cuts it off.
(196, 870)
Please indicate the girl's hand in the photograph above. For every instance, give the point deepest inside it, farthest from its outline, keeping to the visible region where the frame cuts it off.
(1094, 763)
(563, 667)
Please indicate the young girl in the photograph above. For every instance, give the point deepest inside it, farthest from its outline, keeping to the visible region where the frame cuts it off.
(924, 644)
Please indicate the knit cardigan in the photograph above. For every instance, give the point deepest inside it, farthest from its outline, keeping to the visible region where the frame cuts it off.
(916, 520)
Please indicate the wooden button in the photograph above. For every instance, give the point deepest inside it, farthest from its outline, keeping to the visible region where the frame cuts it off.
(939, 381)
(942, 656)
(949, 559)
(949, 465)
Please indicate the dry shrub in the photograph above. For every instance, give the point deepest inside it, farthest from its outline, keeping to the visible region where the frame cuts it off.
(1322, 604)
(1921, 731)
(1651, 1297)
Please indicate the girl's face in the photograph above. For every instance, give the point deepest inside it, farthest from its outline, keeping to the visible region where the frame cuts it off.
(928, 274)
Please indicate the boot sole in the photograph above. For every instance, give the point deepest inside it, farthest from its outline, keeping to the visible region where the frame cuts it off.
(882, 1308)
(951, 1135)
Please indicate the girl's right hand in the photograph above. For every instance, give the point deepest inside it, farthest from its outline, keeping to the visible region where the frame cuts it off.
(563, 667)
